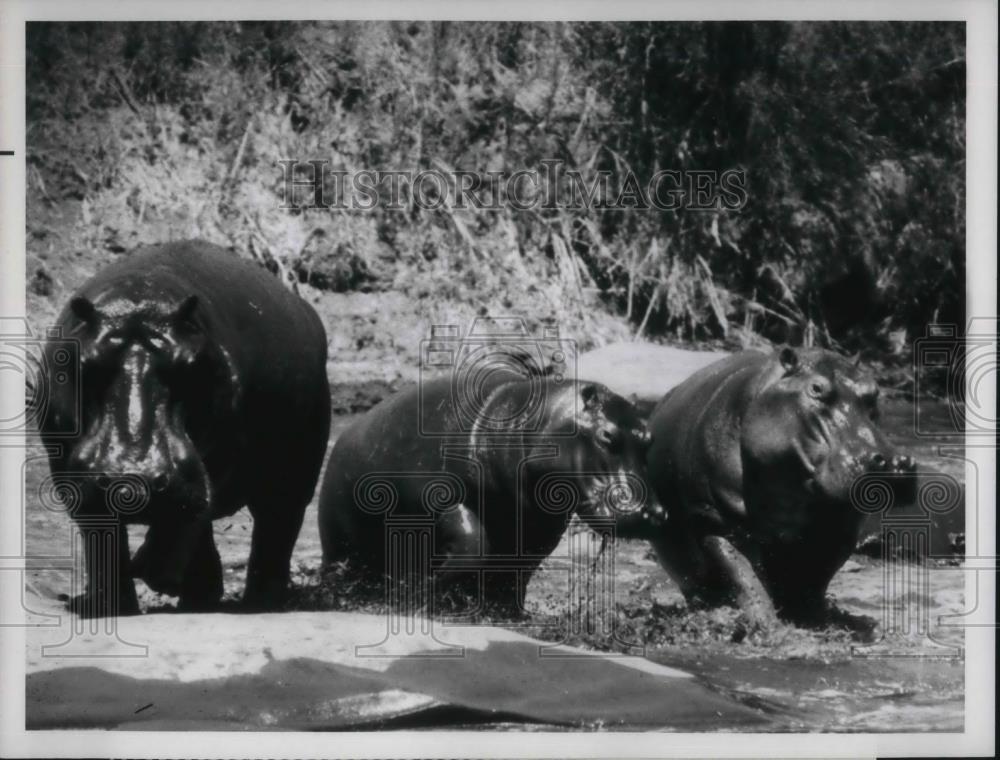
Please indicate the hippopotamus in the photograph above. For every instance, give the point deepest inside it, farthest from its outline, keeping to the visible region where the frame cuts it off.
(754, 459)
(493, 488)
(201, 389)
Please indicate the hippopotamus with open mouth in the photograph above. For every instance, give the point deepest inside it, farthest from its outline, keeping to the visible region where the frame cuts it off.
(493, 489)
(202, 389)
(754, 459)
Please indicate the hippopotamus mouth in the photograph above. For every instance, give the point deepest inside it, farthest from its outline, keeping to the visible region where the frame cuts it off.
(608, 456)
(897, 470)
(614, 494)
(819, 434)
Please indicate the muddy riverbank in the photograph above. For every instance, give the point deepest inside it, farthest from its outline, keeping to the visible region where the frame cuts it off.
(809, 679)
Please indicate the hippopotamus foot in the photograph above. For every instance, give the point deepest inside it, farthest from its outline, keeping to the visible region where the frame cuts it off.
(797, 577)
(458, 593)
(467, 601)
(807, 612)
(106, 605)
(456, 600)
(265, 595)
(202, 589)
(274, 535)
(744, 588)
(508, 610)
(458, 587)
(505, 593)
(493, 595)
(829, 615)
(180, 560)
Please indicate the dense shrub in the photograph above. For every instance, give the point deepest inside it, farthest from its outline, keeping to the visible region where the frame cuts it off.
(851, 136)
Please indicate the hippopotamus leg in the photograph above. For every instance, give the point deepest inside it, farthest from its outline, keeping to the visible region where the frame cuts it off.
(181, 560)
(459, 539)
(276, 525)
(110, 590)
(745, 587)
(804, 576)
(202, 586)
(711, 571)
(496, 592)
(463, 579)
(506, 591)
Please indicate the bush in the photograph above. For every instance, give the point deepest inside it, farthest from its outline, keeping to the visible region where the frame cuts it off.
(850, 135)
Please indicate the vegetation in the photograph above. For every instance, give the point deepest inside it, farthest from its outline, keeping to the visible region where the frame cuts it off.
(850, 137)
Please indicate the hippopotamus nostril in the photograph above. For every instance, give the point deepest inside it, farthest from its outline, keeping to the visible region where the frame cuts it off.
(160, 482)
(877, 463)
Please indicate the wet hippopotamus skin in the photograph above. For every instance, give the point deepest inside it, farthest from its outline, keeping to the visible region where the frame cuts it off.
(202, 389)
(493, 493)
(754, 459)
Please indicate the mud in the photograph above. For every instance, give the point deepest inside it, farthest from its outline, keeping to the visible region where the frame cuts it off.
(815, 679)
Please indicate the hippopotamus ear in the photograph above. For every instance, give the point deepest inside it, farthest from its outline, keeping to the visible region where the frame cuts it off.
(789, 359)
(184, 316)
(591, 395)
(84, 310)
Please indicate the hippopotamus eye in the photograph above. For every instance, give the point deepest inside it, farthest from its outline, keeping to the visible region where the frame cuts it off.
(819, 389)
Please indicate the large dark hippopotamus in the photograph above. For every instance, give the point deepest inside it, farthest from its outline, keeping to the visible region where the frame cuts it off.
(202, 389)
(493, 487)
(754, 459)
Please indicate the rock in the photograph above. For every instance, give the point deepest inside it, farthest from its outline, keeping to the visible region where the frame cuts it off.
(41, 282)
(337, 670)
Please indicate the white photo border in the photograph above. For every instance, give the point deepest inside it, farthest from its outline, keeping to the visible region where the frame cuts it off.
(977, 739)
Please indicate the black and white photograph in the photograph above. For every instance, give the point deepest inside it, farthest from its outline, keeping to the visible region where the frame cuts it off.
(424, 381)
